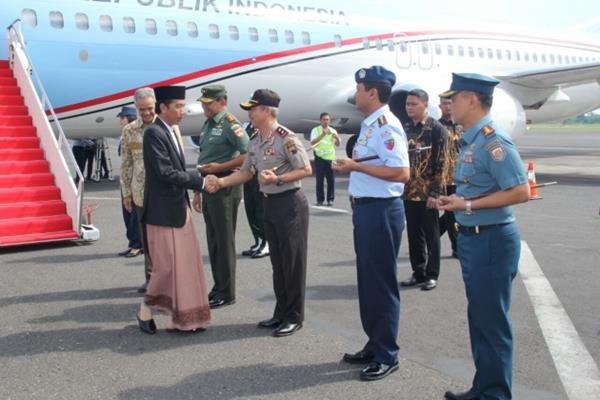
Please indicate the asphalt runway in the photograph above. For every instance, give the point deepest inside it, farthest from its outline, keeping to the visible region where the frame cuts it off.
(68, 328)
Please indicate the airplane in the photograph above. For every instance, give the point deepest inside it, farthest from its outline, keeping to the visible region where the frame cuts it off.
(92, 55)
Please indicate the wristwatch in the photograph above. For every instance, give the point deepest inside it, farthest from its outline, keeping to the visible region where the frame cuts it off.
(279, 181)
(468, 207)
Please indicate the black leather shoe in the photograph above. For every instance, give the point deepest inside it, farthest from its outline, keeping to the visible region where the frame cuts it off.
(460, 395)
(286, 329)
(251, 250)
(124, 253)
(148, 326)
(134, 253)
(412, 281)
(429, 284)
(143, 288)
(270, 323)
(216, 302)
(262, 251)
(360, 357)
(375, 371)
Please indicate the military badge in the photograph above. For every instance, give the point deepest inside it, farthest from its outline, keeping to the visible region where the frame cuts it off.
(237, 130)
(291, 147)
(389, 144)
(382, 120)
(468, 158)
(362, 74)
(487, 130)
(269, 151)
(496, 151)
(216, 131)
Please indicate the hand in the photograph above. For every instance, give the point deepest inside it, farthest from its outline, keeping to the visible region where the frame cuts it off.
(210, 168)
(268, 177)
(432, 202)
(451, 203)
(127, 203)
(344, 165)
(197, 202)
(212, 184)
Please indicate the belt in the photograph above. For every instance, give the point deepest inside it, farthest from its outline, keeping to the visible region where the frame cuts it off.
(280, 194)
(367, 200)
(475, 229)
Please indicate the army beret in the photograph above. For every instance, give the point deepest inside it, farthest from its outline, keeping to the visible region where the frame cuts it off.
(211, 93)
(375, 74)
(470, 82)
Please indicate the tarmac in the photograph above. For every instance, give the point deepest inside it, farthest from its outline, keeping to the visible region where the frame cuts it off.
(68, 328)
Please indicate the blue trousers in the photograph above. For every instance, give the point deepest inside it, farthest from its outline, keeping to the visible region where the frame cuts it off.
(378, 230)
(489, 262)
(132, 230)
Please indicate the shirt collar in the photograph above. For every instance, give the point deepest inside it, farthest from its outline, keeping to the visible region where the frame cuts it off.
(217, 118)
(140, 122)
(370, 120)
(471, 133)
(169, 127)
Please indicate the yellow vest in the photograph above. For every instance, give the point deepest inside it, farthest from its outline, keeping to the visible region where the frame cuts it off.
(325, 149)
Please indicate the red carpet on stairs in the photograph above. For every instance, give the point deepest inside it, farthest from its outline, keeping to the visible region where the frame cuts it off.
(31, 210)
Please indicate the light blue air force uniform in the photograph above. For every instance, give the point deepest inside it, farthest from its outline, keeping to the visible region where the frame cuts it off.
(489, 162)
(378, 217)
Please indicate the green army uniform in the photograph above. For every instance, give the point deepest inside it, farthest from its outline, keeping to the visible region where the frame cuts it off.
(222, 140)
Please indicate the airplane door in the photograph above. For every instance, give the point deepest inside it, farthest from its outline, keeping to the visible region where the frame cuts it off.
(404, 51)
(425, 55)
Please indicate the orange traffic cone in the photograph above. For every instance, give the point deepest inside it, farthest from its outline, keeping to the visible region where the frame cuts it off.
(533, 193)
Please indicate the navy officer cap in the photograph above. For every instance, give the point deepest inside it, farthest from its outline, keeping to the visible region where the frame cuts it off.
(127, 111)
(470, 82)
(375, 74)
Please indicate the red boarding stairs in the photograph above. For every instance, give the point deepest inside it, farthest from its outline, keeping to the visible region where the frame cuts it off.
(31, 209)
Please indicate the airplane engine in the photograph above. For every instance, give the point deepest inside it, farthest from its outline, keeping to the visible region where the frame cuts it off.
(509, 114)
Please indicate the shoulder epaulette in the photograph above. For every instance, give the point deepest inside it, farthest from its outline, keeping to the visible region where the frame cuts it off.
(230, 118)
(253, 134)
(281, 131)
(487, 130)
(382, 120)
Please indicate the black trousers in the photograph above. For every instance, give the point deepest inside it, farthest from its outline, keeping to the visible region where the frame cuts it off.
(144, 234)
(286, 228)
(254, 208)
(423, 229)
(447, 221)
(324, 172)
(79, 154)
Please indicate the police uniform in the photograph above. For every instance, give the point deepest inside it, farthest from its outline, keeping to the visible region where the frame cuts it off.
(447, 220)
(488, 243)
(285, 215)
(378, 218)
(222, 140)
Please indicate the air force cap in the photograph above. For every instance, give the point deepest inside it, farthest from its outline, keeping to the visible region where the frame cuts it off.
(375, 74)
(472, 83)
(211, 93)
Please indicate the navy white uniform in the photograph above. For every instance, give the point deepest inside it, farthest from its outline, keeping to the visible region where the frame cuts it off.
(378, 217)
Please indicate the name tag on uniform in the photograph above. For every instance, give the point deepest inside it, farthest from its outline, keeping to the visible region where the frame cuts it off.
(216, 131)
(468, 158)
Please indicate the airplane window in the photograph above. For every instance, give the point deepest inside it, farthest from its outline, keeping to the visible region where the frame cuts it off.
(171, 27)
(128, 25)
(517, 55)
(508, 55)
(151, 28)
(587, 59)
(461, 51)
(450, 50)
(490, 53)
(29, 17)
(192, 29)
(567, 61)
(471, 52)
(366, 43)
(499, 54)
(213, 31)
(56, 20)
(424, 47)
(289, 37)
(580, 59)
(305, 38)
(379, 44)
(234, 32)
(273, 36)
(253, 33)
(552, 60)
(560, 59)
(526, 56)
(480, 52)
(573, 59)
(390, 44)
(543, 56)
(438, 49)
(338, 40)
(106, 23)
(534, 57)
(82, 21)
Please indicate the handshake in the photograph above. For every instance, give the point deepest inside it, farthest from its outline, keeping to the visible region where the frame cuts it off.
(212, 184)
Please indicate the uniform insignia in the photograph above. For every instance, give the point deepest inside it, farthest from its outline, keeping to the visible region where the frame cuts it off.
(487, 130)
(237, 130)
(497, 153)
(382, 120)
(281, 131)
(291, 147)
(254, 133)
(468, 157)
(362, 74)
(230, 118)
(389, 144)
(269, 151)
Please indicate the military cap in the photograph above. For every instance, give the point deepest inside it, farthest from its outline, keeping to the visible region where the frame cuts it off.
(375, 74)
(164, 93)
(127, 111)
(472, 83)
(211, 93)
(262, 97)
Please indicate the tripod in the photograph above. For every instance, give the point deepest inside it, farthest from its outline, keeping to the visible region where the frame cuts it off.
(103, 161)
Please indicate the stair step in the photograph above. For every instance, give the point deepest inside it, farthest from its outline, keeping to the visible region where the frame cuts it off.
(13, 110)
(10, 90)
(6, 72)
(17, 131)
(17, 120)
(11, 100)
(19, 143)
(35, 238)
(24, 226)
(32, 209)
(38, 193)
(26, 180)
(21, 154)
(4, 64)
(24, 167)
(7, 81)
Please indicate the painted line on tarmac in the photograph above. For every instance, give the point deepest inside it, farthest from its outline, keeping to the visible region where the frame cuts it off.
(326, 208)
(102, 198)
(576, 368)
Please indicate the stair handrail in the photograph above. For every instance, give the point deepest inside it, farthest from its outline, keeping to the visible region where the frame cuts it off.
(15, 37)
